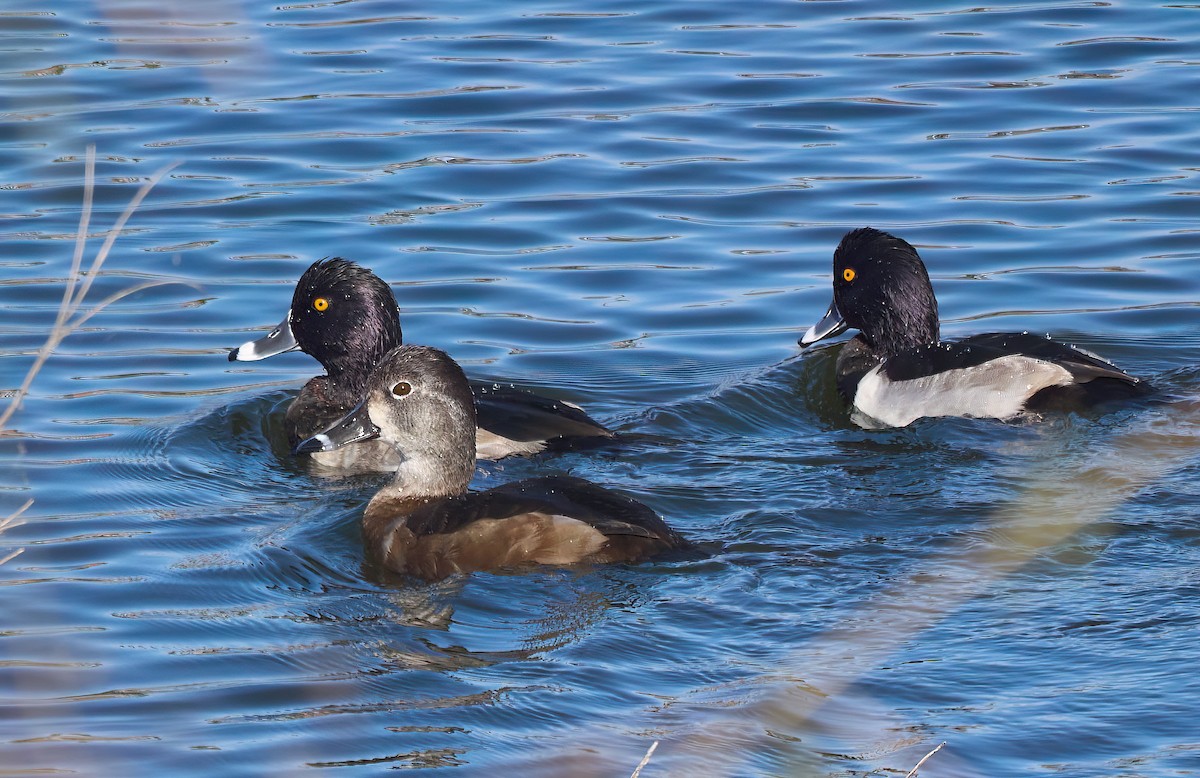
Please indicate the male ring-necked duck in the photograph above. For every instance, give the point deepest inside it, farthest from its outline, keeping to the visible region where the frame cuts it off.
(347, 318)
(897, 369)
(426, 523)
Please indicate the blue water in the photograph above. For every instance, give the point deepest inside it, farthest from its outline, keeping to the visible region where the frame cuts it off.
(633, 207)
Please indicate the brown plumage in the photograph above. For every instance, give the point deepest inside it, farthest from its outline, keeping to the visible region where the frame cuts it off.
(426, 524)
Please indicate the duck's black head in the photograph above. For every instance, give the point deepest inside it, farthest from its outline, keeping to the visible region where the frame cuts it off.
(346, 317)
(881, 289)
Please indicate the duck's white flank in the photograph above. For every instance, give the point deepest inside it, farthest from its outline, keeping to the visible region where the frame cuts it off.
(997, 389)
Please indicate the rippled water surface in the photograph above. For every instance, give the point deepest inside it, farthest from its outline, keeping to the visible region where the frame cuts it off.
(631, 206)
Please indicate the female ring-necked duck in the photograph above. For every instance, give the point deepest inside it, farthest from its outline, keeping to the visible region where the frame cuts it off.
(347, 318)
(426, 523)
(897, 369)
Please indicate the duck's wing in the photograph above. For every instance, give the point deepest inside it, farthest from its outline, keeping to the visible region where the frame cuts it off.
(976, 350)
(606, 511)
(516, 416)
(1083, 365)
(609, 512)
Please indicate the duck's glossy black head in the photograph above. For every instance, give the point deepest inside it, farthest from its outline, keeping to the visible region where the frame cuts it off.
(346, 317)
(881, 289)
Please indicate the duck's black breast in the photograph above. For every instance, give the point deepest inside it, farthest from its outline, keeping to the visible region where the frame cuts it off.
(320, 403)
(854, 361)
(550, 520)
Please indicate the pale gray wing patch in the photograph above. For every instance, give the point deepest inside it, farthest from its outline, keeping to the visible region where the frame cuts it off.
(489, 445)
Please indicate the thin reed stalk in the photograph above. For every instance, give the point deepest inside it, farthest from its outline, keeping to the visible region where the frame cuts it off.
(11, 521)
(70, 317)
(645, 760)
(913, 772)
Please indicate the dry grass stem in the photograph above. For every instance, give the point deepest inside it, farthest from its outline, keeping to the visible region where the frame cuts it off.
(645, 760)
(77, 284)
(912, 773)
(11, 521)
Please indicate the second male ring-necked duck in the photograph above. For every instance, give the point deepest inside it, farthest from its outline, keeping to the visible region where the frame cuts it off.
(897, 369)
(426, 523)
(347, 318)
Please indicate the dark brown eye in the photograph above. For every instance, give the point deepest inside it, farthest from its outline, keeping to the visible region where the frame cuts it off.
(401, 389)
(321, 304)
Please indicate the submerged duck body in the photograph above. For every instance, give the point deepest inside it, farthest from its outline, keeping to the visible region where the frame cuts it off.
(897, 369)
(426, 524)
(347, 318)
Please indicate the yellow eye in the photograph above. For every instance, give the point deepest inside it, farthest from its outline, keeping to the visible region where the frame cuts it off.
(401, 389)
(320, 304)
(848, 274)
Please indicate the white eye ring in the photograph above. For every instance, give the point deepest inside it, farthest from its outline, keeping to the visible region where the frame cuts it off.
(401, 389)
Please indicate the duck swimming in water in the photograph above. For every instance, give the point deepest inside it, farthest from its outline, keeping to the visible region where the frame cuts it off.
(426, 524)
(897, 369)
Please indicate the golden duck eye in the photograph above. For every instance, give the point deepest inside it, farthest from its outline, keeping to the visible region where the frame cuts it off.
(320, 304)
(401, 389)
(848, 274)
